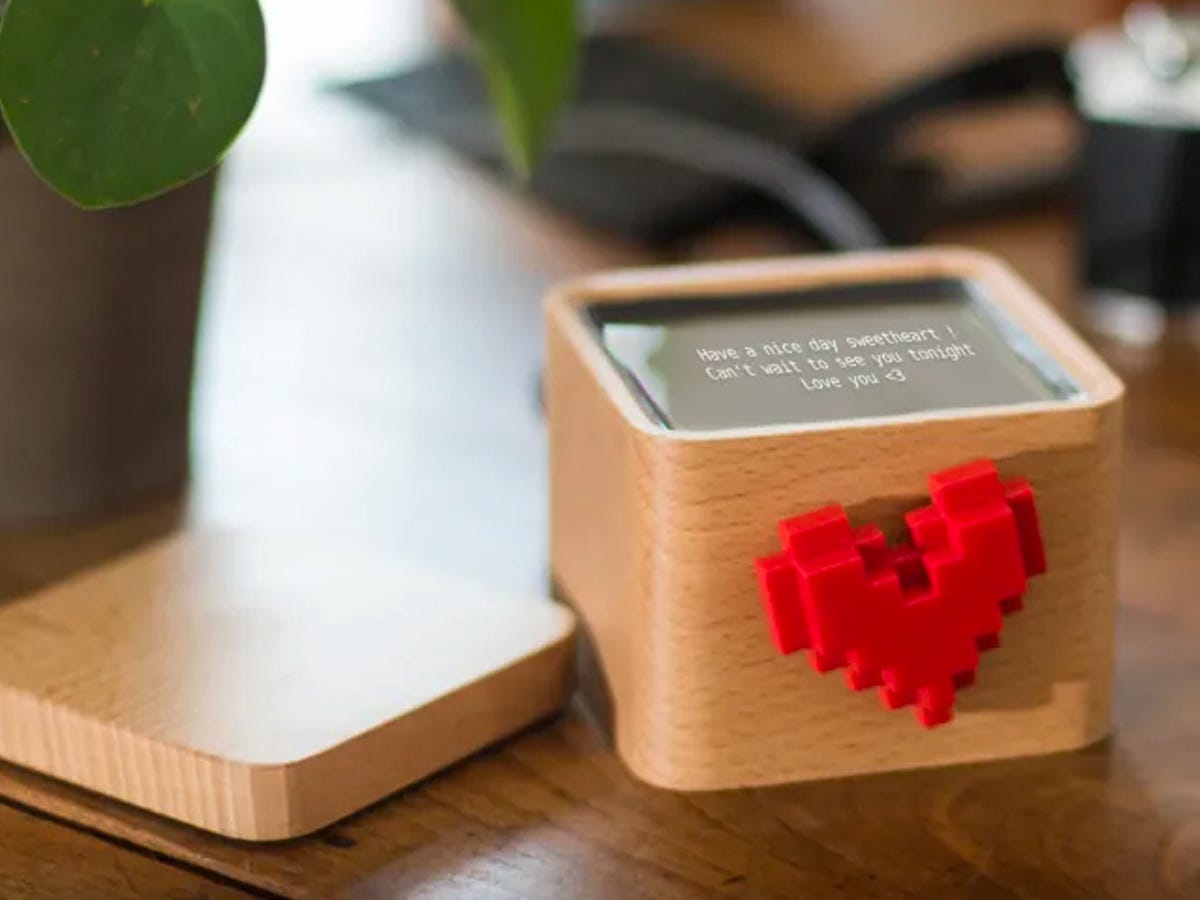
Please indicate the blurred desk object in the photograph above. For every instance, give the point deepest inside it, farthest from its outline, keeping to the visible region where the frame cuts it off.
(368, 367)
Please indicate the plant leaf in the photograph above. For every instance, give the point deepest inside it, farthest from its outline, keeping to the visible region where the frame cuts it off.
(528, 50)
(115, 101)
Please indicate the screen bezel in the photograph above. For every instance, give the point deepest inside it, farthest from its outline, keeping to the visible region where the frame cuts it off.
(664, 308)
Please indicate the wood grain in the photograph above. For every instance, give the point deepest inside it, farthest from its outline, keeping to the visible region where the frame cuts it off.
(369, 366)
(265, 688)
(555, 814)
(654, 531)
(42, 860)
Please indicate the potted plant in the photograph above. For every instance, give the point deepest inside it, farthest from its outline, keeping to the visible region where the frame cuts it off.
(113, 114)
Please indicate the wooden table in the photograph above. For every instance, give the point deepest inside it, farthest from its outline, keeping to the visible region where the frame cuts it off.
(368, 367)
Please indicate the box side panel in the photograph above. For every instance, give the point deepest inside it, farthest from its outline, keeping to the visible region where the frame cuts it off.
(599, 548)
(728, 710)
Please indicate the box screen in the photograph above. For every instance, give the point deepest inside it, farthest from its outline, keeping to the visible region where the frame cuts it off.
(828, 354)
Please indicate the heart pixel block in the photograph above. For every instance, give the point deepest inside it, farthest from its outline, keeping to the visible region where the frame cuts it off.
(910, 619)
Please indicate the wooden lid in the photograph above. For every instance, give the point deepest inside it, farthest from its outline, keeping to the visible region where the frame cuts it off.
(265, 688)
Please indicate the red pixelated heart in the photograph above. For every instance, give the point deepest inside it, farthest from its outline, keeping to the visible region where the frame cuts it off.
(910, 619)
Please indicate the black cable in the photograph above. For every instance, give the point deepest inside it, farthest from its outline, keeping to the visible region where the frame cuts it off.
(817, 200)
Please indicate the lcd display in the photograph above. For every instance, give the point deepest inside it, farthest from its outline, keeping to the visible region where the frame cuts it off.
(835, 353)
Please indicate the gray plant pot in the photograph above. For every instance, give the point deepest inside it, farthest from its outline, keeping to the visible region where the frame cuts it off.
(97, 331)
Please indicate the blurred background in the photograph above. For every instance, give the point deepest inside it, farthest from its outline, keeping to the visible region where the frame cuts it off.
(369, 334)
(340, 334)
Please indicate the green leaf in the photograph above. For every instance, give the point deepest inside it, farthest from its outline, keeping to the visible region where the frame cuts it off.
(528, 50)
(115, 101)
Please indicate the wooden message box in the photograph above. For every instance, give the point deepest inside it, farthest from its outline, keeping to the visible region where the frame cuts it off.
(665, 491)
(263, 688)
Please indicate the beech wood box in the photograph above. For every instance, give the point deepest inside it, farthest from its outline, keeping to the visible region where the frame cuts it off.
(655, 531)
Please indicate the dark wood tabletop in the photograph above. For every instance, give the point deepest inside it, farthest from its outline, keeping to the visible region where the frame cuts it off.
(368, 367)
